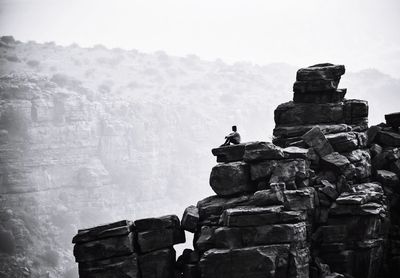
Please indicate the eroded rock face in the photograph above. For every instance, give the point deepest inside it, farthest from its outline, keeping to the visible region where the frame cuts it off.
(323, 206)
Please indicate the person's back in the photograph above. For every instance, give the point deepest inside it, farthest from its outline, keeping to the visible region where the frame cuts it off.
(233, 137)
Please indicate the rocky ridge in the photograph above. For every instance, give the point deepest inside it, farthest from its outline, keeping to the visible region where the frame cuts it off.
(322, 201)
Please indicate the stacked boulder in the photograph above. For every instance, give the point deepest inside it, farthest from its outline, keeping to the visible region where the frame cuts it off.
(384, 144)
(259, 223)
(350, 215)
(318, 101)
(322, 201)
(140, 249)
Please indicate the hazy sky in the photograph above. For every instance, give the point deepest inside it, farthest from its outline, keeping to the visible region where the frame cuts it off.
(358, 33)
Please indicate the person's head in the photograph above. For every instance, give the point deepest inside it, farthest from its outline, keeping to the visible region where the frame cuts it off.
(234, 128)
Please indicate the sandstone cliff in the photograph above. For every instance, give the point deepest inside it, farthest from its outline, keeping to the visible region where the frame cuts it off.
(93, 135)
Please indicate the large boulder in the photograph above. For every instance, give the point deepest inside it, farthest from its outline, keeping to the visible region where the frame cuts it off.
(231, 178)
(291, 113)
(325, 71)
(240, 237)
(343, 142)
(298, 130)
(119, 228)
(258, 216)
(190, 219)
(158, 233)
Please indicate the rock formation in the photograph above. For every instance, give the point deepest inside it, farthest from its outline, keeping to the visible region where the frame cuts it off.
(125, 249)
(322, 201)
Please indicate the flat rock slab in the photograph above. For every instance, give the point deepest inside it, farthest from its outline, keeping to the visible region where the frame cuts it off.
(258, 216)
(229, 153)
(344, 141)
(158, 264)
(296, 152)
(231, 178)
(211, 208)
(259, 151)
(331, 96)
(389, 139)
(325, 71)
(300, 130)
(104, 248)
(235, 237)
(157, 223)
(315, 86)
(119, 228)
(316, 139)
(158, 233)
(255, 262)
(125, 266)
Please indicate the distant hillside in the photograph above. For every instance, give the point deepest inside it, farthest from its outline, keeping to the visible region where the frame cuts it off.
(90, 135)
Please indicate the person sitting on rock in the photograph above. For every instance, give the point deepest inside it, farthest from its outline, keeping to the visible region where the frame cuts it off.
(233, 137)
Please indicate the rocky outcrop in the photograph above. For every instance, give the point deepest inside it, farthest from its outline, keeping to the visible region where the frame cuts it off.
(321, 202)
(143, 248)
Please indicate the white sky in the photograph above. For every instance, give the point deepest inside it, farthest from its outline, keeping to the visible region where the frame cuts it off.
(358, 33)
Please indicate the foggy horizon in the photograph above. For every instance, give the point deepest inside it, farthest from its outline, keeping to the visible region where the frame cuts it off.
(359, 34)
(118, 110)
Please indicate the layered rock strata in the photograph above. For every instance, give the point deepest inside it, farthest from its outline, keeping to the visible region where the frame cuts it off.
(143, 248)
(322, 201)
